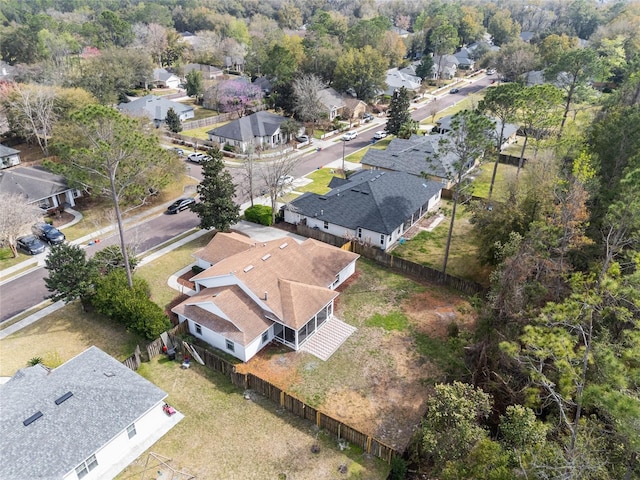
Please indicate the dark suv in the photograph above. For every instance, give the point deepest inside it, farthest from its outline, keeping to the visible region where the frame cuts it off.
(180, 204)
(48, 233)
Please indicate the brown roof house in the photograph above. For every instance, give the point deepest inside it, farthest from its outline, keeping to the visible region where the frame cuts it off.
(256, 292)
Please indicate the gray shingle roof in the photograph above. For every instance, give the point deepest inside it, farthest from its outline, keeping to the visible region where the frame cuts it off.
(35, 183)
(6, 151)
(416, 155)
(245, 129)
(396, 79)
(154, 107)
(376, 201)
(107, 398)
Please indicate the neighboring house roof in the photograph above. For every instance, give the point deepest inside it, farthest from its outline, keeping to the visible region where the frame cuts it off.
(534, 77)
(106, 398)
(400, 31)
(416, 155)
(35, 183)
(396, 79)
(444, 125)
(411, 69)
(526, 36)
(154, 107)
(162, 75)
(464, 57)
(7, 151)
(295, 278)
(208, 71)
(331, 99)
(445, 64)
(373, 200)
(245, 129)
(264, 83)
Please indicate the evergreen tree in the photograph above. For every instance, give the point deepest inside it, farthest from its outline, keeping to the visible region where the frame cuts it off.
(216, 208)
(398, 110)
(71, 275)
(173, 121)
(194, 85)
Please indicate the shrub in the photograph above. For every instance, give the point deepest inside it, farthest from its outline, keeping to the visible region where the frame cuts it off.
(258, 214)
(229, 148)
(398, 469)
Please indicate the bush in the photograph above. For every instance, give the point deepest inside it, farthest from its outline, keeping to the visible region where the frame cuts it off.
(129, 306)
(258, 214)
(398, 469)
(229, 148)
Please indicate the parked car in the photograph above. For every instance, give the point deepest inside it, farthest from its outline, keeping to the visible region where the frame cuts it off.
(491, 71)
(30, 244)
(180, 204)
(367, 117)
(285, 180)
(302, 138)
(350, 135)
(454, 90)
(179, 151)
(380, 134)
(48, 233)
(198, 157)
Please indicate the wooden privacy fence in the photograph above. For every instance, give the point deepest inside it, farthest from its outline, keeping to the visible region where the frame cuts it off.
(133, 362)
(395, 263)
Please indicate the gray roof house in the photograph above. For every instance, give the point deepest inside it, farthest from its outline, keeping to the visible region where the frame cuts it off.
(417, 155)
(332, 102)
(209, 72)
(509, 134)
(164, 79)
(373, 207)
(398, 78)
(156, 109)
(41, 187)
(444, 66)
(465, 62)
(9, 157)
(88, 418)
(259, 129)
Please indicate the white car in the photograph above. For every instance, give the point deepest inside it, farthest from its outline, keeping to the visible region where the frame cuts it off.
(198, 157)
(379, 134)
(350, 135)
(285, 180)
(491, 71)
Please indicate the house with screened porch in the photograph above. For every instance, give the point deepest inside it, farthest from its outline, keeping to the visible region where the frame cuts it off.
(252, 293)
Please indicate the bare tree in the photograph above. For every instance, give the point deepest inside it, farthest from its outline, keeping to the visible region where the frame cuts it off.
(30, 111)
(15, 217)
(249, 184)
(274, 173)
(307, 104)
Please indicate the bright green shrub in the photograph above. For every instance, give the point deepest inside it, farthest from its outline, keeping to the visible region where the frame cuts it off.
(258, 214)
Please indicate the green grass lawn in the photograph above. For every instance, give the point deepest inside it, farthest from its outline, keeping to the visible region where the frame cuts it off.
(427, 248)
(321, 179)
(201, 132)
(356, 157)
(505, 175)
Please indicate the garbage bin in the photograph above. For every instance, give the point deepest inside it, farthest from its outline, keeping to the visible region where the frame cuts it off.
(171, 354)
(318, 149)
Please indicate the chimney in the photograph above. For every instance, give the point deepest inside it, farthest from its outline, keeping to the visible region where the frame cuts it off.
(265, 296)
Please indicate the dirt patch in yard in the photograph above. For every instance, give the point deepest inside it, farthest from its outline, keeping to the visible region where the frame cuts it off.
(376, 382)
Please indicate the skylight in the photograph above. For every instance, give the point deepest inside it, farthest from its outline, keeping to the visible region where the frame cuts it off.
(64, 397)
(32, 418)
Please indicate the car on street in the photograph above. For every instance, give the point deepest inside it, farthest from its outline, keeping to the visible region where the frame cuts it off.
(30, 244)
(350, 135)
(198, 157)
(454, 90)
(180, 204)
(179, 151)
(491, 71)
(48, 233)
(380, 134)
(285, 180)
(367, 117)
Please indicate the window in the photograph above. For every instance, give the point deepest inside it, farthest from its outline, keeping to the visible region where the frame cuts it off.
(359, 233)
(265, 337)
(198, 329)
(231, 346)
(85, 467)
(131, 430)
(326, 225)
(381, 239)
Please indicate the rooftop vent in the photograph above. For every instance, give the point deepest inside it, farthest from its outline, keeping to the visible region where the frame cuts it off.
(284, 245)
(266, 257)
(248, 268)
(109, 374)
(64, 397)
(32, 418)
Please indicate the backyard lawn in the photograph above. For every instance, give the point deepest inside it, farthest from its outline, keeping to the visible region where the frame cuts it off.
(505, 176)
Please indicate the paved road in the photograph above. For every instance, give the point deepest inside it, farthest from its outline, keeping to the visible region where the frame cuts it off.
(28, 290)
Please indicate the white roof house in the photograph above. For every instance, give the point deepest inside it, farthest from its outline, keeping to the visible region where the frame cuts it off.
(398, 78)
(156, 108)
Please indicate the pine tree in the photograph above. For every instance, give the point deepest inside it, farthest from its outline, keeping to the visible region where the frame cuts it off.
(398, 110)
(173, 121)
(216, 207)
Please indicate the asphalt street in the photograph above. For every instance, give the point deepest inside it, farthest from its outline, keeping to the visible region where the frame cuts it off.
(25, 291)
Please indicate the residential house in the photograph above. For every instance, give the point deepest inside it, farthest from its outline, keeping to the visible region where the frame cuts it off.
(401, 32)
(370, 206)
(164, 79)
(353, 107)
(264, 84)
(234, 64)
(444, 67)
(527, 36)
(256, 292)
(332, 102)
(509, 134)
(39, 186)
(88, 418)
(9, 157)
(419, 155)
(260, 129)
(209, 72)
(397, 79)
(465, 59)
(156, 108)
